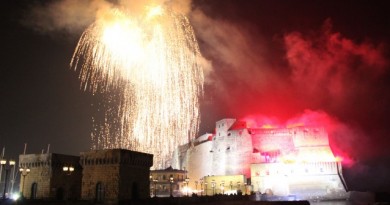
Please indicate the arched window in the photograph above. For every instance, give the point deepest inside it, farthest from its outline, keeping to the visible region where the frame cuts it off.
(34, 188)
(99, 193)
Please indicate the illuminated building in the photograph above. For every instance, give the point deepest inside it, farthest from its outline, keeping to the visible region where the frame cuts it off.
(114, 175)
(282, 161)
(42, 176)
(167, 181)
(226, 184)
(99, 176)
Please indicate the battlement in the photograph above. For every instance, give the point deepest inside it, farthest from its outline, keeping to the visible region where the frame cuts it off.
(116, 156)
(47, 159)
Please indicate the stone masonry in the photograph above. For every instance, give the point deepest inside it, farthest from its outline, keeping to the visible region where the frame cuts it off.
(115, 175)
(46, 179)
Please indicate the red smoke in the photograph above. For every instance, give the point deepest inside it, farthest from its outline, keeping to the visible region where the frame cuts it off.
(334, 81)
(330, 68)
(277, 70)
(340, 136)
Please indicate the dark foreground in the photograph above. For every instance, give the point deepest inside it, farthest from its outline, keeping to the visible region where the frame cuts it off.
(209, 200)
(356, 198)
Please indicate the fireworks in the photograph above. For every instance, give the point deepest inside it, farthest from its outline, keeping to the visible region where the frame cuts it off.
(146, 70)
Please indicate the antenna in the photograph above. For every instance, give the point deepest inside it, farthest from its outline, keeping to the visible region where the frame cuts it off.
(25, 148)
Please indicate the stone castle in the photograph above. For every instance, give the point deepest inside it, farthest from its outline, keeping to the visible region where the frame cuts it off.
(101, 176)
(283, 161)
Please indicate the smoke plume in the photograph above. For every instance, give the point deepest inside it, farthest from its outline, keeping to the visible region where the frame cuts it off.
(270, 69)
(73, 16)
(317, 76)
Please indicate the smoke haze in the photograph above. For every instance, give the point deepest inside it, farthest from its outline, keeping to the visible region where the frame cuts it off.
(265, 61)
(313, 75)
(73, 16)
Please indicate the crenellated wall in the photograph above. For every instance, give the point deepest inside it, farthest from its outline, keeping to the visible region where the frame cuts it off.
(234, 148)
(47, 179)
(114, 175)
(305, 180)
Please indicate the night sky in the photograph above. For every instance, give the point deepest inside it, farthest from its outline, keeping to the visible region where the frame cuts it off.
(280, 62)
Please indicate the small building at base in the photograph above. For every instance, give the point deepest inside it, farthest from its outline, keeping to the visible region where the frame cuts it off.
(42, 176)
(102, 176)
(167, 182)
(115, 175)
(224, 184)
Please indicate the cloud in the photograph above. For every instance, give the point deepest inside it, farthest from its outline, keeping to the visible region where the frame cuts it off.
(73, 16)
(322, 77)
(237, 59)
(332, 65)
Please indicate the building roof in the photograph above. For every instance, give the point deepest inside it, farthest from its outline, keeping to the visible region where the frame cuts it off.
(169, 169)
(238, 125)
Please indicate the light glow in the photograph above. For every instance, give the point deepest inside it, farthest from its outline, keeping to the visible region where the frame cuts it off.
(186, 190)
(15, 196)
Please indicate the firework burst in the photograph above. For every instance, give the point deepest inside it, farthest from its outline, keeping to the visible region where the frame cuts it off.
(146, 69)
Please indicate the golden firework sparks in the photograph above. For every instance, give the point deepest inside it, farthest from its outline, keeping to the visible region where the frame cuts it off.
(147, 70)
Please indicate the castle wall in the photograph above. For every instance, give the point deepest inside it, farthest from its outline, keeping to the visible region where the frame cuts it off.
(46, 179)
(39, 175)
(305, 180)
(200, 162)
(309, 136)
(296, 160)
(272, 140)
(114, 175)
(232, 150)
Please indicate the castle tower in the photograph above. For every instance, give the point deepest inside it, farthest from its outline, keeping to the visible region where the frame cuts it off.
(115, 175)
(46, 179)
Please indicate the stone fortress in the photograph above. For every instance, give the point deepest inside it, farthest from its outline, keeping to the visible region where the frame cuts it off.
(295, 161)
(279, 161)
(99, 176)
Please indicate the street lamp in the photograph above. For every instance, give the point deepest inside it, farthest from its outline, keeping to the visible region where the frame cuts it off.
(187, 182)
(150, 185)
(213, 186)
(245, 188)
(68, 169)
(24, 172)
(12, 163)
(3, 163)
(205, 187)
(171, 182)
(196, 186)
(201, 187)
(155, 186)
(238, 185)
(231, 186)
(223, 187)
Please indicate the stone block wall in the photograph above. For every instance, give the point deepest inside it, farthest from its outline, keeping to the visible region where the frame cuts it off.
(46, 179)
(114, 175)
(305, 180)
